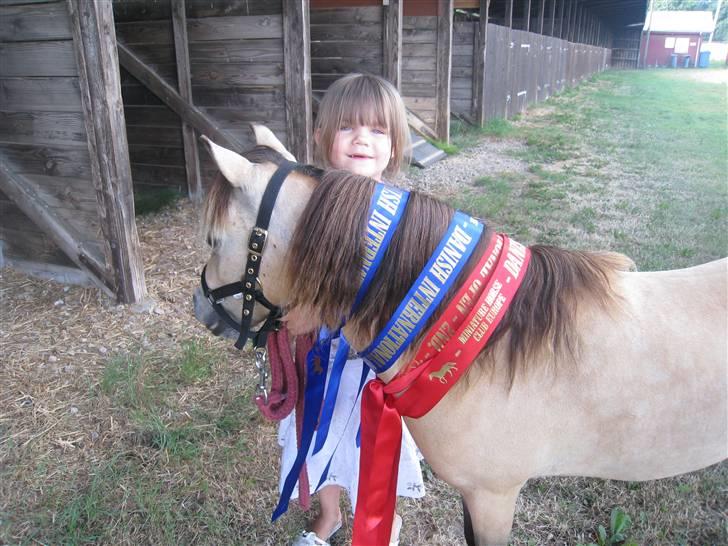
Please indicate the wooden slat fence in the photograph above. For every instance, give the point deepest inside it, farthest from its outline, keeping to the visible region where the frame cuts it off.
(521, 68)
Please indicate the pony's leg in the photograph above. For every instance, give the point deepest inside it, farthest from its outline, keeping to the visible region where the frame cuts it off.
(490, 515)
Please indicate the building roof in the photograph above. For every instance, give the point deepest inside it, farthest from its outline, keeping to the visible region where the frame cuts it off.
(679, 21)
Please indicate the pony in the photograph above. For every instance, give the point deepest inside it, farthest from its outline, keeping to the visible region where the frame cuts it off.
(595, 370)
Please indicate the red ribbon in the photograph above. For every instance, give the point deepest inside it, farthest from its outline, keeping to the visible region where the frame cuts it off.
(471, 317)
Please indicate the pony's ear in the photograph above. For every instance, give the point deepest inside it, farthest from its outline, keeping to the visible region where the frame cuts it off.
(234, 167)
(265, 137)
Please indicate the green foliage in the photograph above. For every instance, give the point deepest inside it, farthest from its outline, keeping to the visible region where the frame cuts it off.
(196, 361)
(448, 148)
(619, 524)
(149, 201)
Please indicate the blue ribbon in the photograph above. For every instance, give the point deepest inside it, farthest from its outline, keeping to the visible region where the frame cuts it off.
(426, 293)
(386, 210)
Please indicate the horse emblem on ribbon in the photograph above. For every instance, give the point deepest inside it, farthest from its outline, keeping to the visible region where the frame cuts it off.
(448, 369)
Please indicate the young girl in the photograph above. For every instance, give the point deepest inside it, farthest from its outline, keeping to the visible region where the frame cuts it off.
(362, 128)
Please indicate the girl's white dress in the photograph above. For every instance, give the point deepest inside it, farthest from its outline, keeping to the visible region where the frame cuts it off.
(344, 470)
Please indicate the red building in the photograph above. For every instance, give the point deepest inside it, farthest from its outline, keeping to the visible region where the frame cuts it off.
(668, 37)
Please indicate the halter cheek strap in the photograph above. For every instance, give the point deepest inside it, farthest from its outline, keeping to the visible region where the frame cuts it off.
(249, 286)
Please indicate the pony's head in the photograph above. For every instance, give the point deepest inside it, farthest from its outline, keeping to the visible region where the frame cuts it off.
(229, 215)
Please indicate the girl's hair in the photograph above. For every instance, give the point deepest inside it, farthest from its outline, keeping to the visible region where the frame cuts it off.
(362, 99)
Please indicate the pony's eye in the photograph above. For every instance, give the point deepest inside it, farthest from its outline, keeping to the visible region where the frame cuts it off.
(212, 242)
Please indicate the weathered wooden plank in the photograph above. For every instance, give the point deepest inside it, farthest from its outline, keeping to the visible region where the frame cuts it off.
(297, 74)
(250, 98)
(155, 116)
(23, 245)
(419, 22)
(416, 36)
(369, 52)
(234, 51)
(392, 42)
(353, 33)
(344, 66)
(156, 155)
(358, 15)
(419, 50)
(30, 23)
(48, 160)
(145, 32)
(191, 157)
(52, 58)
(136, 10)
(160, 175)
(95, 49)
(168, 72)
(444, 49)
(26, 198)
(67, 192)
(237, 74)
(155, 136)
(419, 76)
(28, 94)
(226, 117)
(228, 28)
(420, 63)
(84, 223)
(171, 98)
(480, 47)
(42, 127)
(419, 90)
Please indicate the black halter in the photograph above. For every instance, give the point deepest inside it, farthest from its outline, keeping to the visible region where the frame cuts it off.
(249, 287)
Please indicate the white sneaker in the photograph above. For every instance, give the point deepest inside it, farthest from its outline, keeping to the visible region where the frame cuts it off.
(312, 539)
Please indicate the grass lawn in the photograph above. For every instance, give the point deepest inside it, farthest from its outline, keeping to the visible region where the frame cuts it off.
(629, 161)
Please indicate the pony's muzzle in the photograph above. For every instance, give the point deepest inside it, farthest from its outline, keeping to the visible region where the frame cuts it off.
(205, 313)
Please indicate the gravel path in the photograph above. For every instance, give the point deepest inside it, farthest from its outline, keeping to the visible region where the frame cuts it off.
(487, 158)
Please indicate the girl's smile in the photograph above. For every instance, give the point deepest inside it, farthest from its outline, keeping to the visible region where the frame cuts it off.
(361, 149)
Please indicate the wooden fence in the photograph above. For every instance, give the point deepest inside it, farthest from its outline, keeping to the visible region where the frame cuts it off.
(521, 68)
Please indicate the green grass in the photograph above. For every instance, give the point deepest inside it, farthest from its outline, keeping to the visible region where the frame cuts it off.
(148, 201)
(633, 161)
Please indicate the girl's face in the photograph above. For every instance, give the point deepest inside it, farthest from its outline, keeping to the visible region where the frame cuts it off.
(361, 149)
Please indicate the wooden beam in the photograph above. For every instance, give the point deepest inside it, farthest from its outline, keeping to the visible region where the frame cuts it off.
(444, 67)
(22, 192)
(297, 55)
(509, 14)
(169, 96)
(553, 17)
(94, 40)
(392, 42)
(540, 16)
(479, 55)
(527, 15)
(184, 82)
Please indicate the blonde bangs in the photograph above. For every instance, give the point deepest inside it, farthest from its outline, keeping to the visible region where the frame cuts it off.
(358, 99)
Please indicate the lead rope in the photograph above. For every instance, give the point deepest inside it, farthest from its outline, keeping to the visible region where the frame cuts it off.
(287, 389)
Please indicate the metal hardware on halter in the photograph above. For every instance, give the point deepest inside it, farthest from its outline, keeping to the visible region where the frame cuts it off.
(261, 358)
(249, 289)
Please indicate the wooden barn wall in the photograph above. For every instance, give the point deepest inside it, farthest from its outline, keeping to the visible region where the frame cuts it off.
(344, 40)
(236, 66)
(419, 66)
(461, 76)
(42, 132)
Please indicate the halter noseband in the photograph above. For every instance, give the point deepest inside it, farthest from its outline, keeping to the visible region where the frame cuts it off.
(249, 287)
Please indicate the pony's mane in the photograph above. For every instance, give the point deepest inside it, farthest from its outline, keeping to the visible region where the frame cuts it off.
(326, 255)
